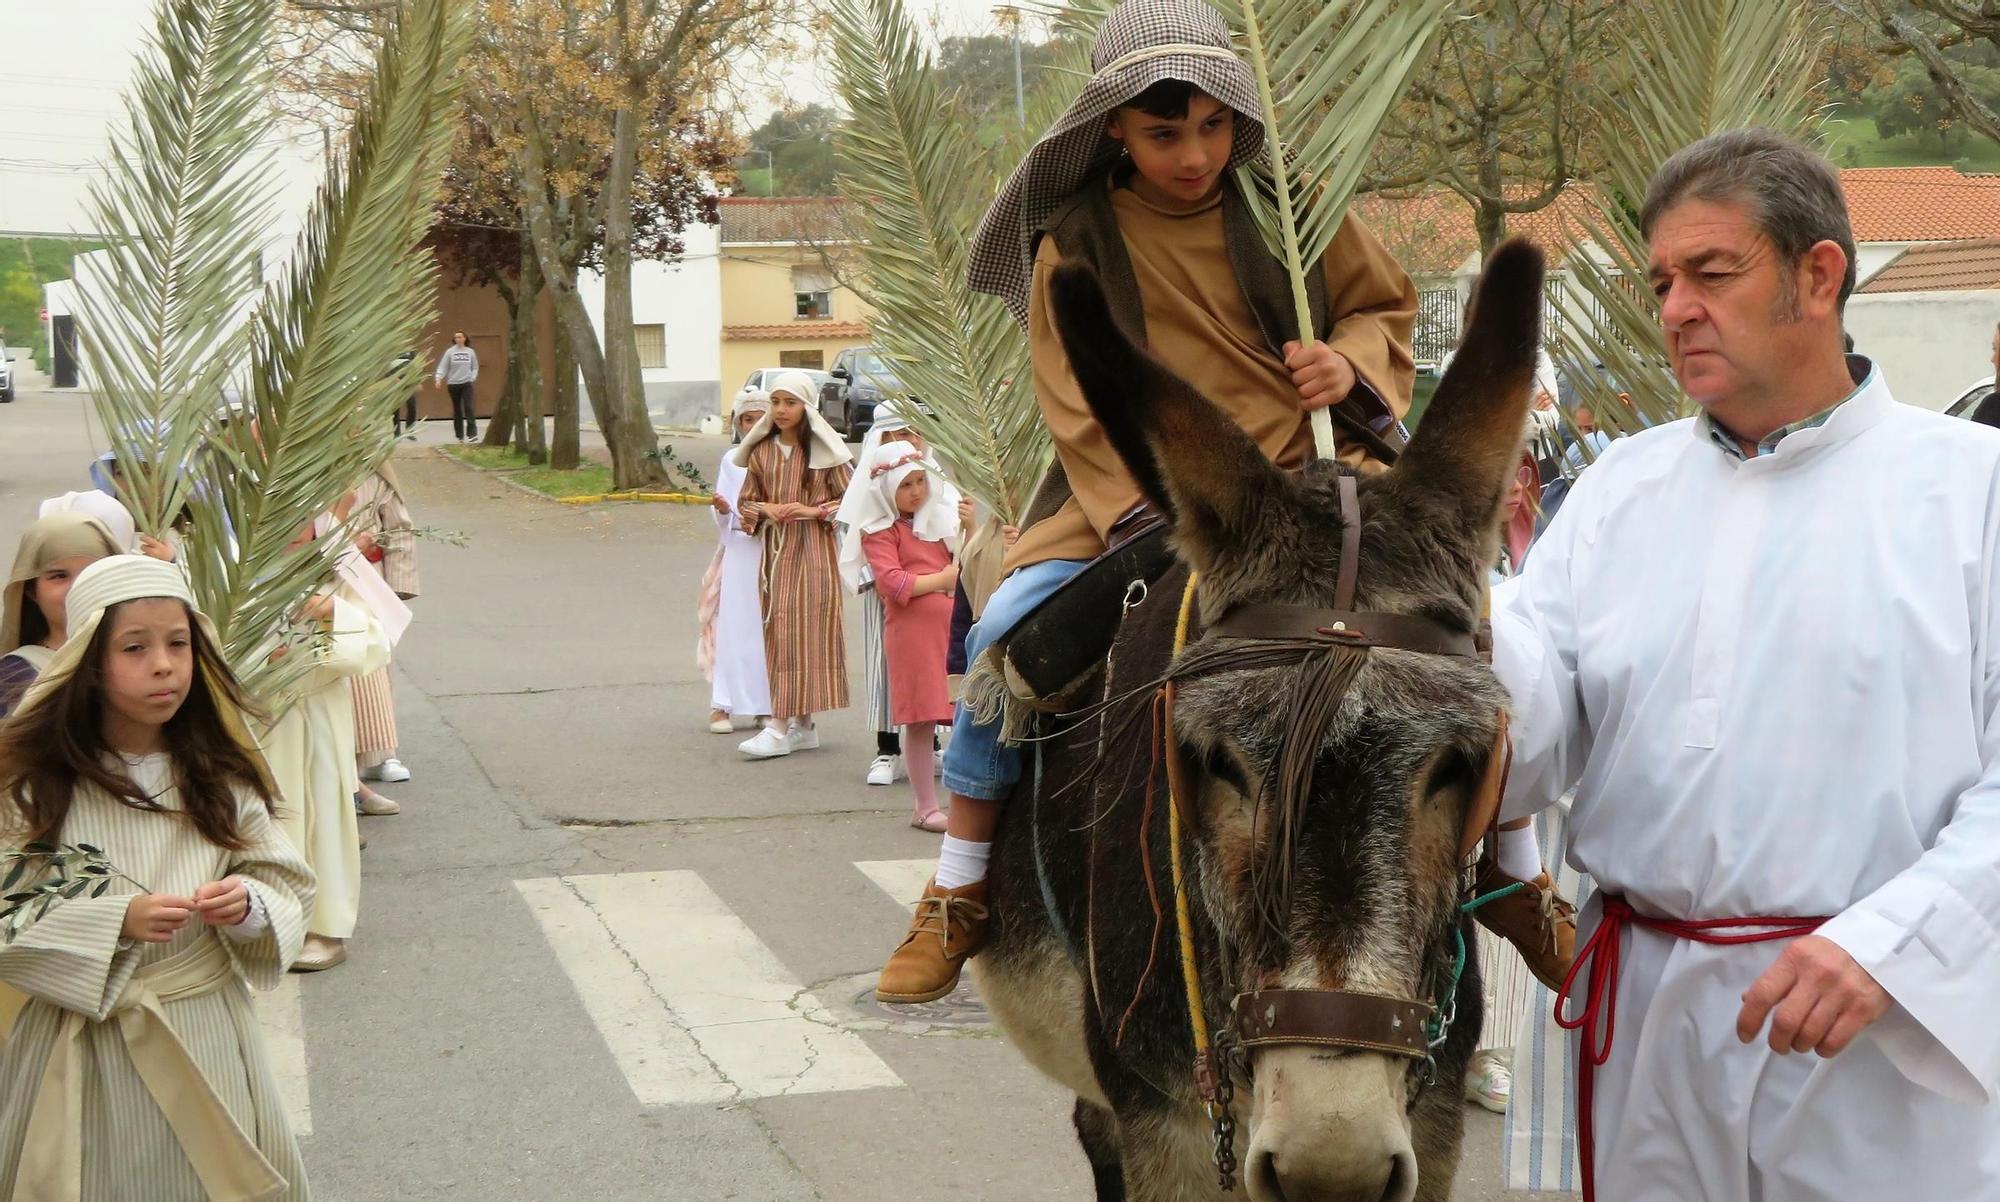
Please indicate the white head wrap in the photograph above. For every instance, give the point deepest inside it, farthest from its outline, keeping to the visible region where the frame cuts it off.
(825, 448)
(102, 506)
(870, 506)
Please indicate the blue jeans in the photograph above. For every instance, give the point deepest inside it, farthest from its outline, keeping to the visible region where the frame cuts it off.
(977, 764)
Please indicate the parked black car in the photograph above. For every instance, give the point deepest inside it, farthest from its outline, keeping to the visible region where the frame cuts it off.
(861, 380)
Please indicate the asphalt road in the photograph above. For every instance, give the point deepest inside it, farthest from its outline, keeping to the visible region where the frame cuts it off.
(600, 956)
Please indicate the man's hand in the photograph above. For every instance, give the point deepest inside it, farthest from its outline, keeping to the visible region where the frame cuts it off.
(965, 513)
(1009, 535)
(1322, 375)
(365, 543)
(223, 903)
(1823, 999)
(156, 548)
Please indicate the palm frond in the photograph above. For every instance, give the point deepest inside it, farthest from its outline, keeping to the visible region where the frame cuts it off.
(1328, 75)
(322, 381)
(908, 169)
(1708, 66)
(183, 206)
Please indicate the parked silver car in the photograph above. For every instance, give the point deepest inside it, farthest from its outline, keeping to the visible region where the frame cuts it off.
(7, 359)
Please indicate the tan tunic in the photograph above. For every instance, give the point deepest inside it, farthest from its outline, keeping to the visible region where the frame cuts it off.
(805, 647)
(70, 962)
(1199, 325)
(311, 753)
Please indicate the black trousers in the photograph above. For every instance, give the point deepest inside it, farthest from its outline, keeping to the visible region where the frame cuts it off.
(463, 424)
(406, 417)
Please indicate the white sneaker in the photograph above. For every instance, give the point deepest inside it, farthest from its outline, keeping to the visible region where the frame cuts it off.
(804, 738)
(1488, 1082)
(391, 771)
(886, 770)
(768, 743)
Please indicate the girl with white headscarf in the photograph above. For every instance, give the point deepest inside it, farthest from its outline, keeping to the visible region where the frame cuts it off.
(731, 650)
(906, 526)
(33, 624)
(890, 426)
(795, 470)
(137, 1068)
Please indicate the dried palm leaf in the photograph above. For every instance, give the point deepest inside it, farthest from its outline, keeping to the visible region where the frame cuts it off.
(1328, 75)
(183, 205)
(315, 418)
(908, 168)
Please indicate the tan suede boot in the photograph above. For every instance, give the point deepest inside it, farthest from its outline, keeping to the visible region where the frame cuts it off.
(1536, 919)
(949, 926)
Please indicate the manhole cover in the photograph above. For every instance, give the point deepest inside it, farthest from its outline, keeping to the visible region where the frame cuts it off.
(960, 1010)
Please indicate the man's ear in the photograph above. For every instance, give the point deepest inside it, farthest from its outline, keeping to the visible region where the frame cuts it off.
(1821, 273)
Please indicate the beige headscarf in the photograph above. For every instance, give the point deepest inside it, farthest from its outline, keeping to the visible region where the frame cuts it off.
(112, 581)
(825, 448)
(58, 536)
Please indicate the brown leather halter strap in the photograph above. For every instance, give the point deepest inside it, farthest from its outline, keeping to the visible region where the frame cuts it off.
(1338, 1018)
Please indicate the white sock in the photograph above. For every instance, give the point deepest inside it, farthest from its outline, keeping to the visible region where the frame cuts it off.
(961, 863)
(1520, 854)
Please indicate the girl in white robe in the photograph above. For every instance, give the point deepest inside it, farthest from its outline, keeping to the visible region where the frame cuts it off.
(311, 752)
(137, 1068)
(731, 652)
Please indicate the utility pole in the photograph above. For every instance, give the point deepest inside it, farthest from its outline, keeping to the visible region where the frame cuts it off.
(1011, 16)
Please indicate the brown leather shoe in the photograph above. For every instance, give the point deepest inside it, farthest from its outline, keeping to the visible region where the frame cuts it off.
(1536, 919)
(949, 926)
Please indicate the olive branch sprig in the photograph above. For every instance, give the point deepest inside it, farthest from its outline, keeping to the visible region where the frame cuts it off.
(68, 871)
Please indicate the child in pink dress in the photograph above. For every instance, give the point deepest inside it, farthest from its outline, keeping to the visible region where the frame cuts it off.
(909, 536)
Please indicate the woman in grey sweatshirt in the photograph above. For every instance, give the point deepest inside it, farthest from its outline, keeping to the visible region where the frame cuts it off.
(456, 370)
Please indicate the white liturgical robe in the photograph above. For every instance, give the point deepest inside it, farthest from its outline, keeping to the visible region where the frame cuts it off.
(1775, 686)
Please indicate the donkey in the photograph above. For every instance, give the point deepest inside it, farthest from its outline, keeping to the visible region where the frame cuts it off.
(1356, 887)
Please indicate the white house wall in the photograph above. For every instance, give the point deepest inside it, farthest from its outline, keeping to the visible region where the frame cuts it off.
(1930, 345)
(684, 297)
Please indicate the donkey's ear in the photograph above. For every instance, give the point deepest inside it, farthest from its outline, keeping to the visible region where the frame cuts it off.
(1189, 458)
(1471, 435)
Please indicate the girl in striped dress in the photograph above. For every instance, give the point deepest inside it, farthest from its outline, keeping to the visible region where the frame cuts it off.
(137, 1068)
(795, 471)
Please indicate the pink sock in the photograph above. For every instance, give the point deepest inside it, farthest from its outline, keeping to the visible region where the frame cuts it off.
(918, 753)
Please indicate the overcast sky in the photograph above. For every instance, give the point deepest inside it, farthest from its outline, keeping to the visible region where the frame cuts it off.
(66, 63)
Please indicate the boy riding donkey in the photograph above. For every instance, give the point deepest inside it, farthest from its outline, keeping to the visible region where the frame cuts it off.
(1136, 180)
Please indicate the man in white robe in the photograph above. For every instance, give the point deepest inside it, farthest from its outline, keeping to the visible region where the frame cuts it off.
(1764, 646)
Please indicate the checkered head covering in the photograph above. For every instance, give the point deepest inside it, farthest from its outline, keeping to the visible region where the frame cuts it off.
(1141, 43)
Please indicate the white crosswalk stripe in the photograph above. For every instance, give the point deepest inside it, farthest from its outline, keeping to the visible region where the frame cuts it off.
(694, 1007)
(903, 880)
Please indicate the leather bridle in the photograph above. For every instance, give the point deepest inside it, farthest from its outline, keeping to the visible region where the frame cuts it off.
(1326, 646)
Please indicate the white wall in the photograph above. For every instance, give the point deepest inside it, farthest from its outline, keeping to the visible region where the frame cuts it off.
(685, 297)
(1930, 345)
(1871, 257)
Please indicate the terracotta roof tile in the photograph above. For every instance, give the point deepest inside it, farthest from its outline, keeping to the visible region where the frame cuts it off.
(795, 331)
(1941, 267)
(1921, 204)
(758, 219)
(1433, 233)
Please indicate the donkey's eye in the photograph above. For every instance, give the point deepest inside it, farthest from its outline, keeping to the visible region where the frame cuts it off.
(1451, 770)
(1220, 765)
